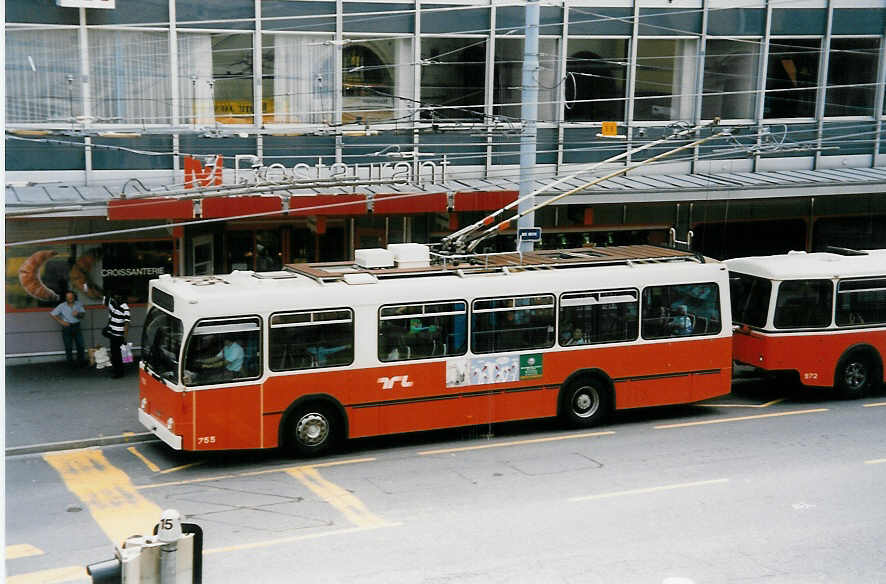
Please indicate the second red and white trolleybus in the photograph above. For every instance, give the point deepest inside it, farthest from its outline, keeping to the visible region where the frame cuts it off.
(821, 315)
(399, 341)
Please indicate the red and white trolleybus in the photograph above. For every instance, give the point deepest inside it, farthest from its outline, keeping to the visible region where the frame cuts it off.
(822, 315)
(400, 341)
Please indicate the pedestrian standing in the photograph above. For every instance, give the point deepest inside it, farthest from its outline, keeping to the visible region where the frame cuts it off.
(68, 314)
(118, 326)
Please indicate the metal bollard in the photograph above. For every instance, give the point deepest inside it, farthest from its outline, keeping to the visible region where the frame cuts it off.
(171, 555)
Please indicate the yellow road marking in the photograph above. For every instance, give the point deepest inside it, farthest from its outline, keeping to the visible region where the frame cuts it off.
(516, 443)
(649, 490)
(875, 461)
(54, 576)
(740, 419)
(348, 504)
(182, 467)
(766, 405)
(22, 550)
(251, 473)
(874, 405)
(112, 500)
(151, 466)
(282, 540)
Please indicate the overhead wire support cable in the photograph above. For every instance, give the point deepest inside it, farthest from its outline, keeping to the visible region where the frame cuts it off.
(457, 242)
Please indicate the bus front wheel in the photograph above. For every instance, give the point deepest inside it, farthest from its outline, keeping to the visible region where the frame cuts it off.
(586, 402)
(854, 375)
(311, 430)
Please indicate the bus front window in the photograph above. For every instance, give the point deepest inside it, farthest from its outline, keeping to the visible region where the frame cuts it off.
(161, 343)
(750, 299)
(223, 351)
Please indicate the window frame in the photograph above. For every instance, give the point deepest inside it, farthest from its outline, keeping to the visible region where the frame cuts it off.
(422, 314)
(474, 310)
(259, 357)
(564, 301)
(312, 322)
(692, 335)
(776, 306)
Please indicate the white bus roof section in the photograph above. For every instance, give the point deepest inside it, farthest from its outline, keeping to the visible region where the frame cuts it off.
(802, 265)
(242, 293)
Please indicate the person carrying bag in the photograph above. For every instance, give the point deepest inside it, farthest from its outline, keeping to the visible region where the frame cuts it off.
(115, 330)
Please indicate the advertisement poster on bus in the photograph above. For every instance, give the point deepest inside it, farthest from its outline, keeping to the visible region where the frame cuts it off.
(493, 369)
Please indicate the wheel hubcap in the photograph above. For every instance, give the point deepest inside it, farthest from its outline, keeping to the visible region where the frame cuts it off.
(585, 402)
(856, 375)
(312, 429)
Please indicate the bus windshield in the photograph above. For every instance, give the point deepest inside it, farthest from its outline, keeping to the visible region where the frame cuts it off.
(161, 344)
(750, 299)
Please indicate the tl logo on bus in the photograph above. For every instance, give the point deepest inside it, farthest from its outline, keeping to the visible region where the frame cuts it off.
(390, 382)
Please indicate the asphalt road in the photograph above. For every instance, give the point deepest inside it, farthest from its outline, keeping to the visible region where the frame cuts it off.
(764, 485)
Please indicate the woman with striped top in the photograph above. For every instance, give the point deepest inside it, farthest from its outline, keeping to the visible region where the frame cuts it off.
(118, 326)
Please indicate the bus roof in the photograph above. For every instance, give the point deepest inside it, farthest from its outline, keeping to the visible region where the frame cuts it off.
(796, 265)
(292, 289)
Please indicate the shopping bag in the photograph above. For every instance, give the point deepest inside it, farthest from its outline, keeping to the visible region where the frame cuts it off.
(102, 359)
(126, 352)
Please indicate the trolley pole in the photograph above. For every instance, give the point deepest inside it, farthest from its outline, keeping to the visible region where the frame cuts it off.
(529, 114)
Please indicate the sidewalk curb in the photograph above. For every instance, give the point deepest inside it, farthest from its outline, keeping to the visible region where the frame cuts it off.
(85, 443)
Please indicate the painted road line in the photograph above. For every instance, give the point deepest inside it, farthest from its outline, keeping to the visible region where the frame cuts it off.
(291, 539)
(54, 576)
(22, 550)
(118, 508)
(740, 419)
(766, 405)
(250, 473)
(876, 461)
(649, 490)
(151, 466)
(876, 405)
(346, 502)
(182, 467)
(515, 443)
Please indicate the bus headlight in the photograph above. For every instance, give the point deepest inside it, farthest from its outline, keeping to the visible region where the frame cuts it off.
(169, 424)
(144, 404)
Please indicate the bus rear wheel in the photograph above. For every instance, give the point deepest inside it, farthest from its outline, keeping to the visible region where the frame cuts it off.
(586, 402)
(311, 431)
(855, 375)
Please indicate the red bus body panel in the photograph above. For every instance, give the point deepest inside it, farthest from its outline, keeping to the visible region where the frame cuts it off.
(413, 396)
(813, 355)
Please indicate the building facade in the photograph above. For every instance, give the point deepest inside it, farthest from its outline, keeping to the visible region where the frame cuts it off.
(203, 136)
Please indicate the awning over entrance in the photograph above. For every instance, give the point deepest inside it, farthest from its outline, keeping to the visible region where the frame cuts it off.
(452, 195)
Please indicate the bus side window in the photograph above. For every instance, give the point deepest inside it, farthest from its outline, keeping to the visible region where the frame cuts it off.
(681, 310)
(421, 331)
(804, 303)
(861, 302)
(513, 323)
(311, 339)
(222, 351)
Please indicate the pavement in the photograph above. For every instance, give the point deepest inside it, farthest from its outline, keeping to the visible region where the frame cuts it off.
(54, 406)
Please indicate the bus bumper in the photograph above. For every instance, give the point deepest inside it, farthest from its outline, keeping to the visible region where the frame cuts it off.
(159, 429)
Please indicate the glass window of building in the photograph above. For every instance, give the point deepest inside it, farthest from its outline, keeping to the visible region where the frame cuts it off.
(377, 81)
(852, 77)
(453, 78)
(792, 78)
(298, 76)
(507, 93)
(215, 78)
(665, 84)
(42, 70)
(129, 77)
(596, 70)
(730, 78)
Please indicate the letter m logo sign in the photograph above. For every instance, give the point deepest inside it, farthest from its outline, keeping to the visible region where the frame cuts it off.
(203, 176)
